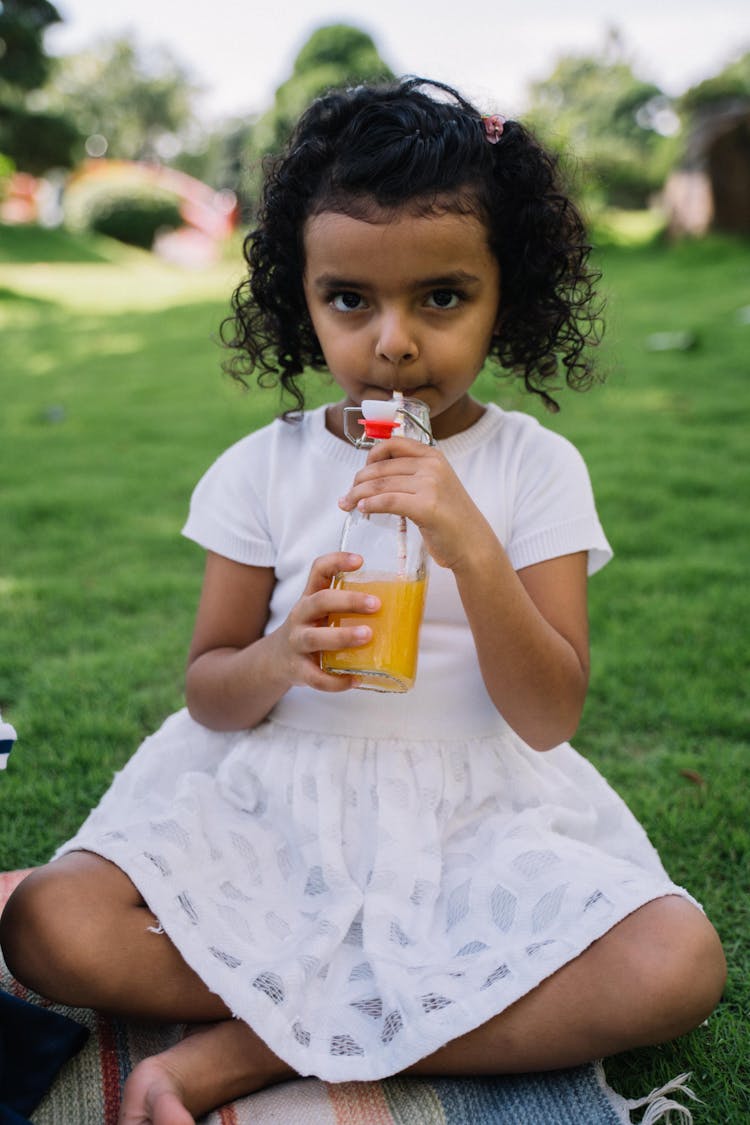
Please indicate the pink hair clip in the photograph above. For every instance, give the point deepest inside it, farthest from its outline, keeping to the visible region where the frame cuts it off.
(493, 127)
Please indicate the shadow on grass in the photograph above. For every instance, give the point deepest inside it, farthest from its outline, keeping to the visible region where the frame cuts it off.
(28, 244)
(12, 295)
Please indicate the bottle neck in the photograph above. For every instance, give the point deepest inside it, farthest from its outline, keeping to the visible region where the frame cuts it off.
(415, 421)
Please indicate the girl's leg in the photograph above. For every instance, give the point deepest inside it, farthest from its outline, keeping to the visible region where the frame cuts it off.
(653, 977)
(78, 932)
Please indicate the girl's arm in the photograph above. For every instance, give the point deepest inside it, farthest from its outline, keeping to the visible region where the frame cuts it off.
(531, 632)
(530, 627)
(235, 674)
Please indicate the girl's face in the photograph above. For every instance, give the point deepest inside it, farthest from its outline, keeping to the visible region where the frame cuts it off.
(405, 302)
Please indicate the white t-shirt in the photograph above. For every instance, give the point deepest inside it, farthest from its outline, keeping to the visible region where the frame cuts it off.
(271, 500)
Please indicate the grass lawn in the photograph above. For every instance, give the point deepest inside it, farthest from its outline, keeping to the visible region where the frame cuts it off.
(112, 405)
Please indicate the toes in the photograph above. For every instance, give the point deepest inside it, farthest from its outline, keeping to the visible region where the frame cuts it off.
(151, 1096)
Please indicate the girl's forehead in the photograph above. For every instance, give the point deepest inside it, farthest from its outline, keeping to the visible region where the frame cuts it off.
(334, 230)
(401, 244)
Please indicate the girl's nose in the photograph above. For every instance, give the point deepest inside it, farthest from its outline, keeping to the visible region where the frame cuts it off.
(396, 341)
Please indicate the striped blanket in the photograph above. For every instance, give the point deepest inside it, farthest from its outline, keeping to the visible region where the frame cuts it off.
(87, 1089)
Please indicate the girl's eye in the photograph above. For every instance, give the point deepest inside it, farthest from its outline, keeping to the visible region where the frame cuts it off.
(347, 302)
(444, 299)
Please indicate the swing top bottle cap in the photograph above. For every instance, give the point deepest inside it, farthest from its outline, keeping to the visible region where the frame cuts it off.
(379, 417)
(375, 428)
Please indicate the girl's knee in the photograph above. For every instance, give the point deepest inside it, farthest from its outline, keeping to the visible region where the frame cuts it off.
(703, 965)
(30, 926)
(46, 929)
(686, 967)
(29, 915)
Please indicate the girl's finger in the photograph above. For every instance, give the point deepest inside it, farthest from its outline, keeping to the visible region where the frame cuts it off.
(335, 637)
(384, 470)
(326, 567)
(417, 497)
(400, 447)
(310, 639)
(333, 600)
(397, 482)
(408, 504)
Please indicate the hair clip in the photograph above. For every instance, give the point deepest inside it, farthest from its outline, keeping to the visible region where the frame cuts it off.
(493, 127)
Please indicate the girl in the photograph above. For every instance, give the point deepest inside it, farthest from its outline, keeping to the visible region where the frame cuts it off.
(373, 883)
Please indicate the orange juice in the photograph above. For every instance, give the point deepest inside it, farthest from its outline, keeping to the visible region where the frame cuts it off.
(389, 661)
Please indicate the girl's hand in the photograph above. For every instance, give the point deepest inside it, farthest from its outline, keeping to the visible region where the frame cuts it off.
(413, 480)
(306, 632)
(237, 672)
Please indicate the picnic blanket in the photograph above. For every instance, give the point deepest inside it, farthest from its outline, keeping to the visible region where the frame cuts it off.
(83, 1083)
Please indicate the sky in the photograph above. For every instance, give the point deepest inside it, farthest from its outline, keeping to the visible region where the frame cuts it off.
(241, 50)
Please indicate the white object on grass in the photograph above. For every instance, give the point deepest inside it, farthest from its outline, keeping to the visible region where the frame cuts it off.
(7, 738)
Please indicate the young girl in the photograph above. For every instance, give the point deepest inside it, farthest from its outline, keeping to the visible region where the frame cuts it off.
(432, 882)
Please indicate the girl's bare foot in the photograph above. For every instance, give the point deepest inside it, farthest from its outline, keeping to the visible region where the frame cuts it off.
(214, 1063)
(153, 1095)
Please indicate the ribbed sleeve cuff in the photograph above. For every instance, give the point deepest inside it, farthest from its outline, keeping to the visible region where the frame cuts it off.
(564, 539)
(213, 537)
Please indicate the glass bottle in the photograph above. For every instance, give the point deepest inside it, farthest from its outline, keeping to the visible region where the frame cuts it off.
(394, 567)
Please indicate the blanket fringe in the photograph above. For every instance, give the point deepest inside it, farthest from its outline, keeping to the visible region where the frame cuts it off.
(658, 1105)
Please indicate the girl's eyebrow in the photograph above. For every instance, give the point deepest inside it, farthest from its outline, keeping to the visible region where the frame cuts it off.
(329, 281)
(333, 281)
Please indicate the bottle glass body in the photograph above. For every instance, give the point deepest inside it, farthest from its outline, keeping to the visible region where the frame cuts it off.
(395, 570)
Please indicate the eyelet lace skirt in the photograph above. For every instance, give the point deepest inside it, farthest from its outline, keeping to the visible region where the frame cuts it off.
(357, 902)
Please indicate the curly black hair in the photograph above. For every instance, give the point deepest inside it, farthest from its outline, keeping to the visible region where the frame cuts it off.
(388, 146)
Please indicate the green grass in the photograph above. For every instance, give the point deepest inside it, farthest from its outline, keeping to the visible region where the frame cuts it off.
(111, 406)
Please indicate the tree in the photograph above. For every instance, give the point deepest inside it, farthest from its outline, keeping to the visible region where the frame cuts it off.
(23, 61)
(731, 84)
(34, 141)
(616, 124)
(335, 55)
(130, 103)
(218, 155)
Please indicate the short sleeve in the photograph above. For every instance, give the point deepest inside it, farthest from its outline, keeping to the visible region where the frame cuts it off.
(228, 514)
(554, 512)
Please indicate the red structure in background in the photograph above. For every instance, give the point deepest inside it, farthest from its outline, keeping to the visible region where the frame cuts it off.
(209, 216)
(20, 204)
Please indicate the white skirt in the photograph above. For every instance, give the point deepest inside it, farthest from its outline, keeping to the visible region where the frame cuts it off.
(359, 903)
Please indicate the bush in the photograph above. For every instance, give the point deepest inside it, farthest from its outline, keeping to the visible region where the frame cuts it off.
(135, 221)
(625, 182)
(129, 210)
(126, 208)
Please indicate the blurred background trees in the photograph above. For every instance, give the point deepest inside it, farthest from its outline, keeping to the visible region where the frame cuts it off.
(30, 139)
(122, 101)
(337, 55)
(130, 103)
(621, 129)
(732, 84)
